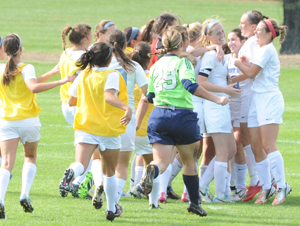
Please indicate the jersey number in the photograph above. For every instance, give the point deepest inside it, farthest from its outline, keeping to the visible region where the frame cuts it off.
(165, 79)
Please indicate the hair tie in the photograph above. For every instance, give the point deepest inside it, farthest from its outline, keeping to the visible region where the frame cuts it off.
(72, 28)
(1, 41)
(107, 25)
(271, 28)
(210, 25)
(133, 34)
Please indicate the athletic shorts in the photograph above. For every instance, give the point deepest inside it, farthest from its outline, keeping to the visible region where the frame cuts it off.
(198, 108)
(173, 127)
(102, 142)
(142, 146)
(128, 138)
(26, 134)
(235, 111)
(246, 99)
(218, 120)
(68, 112)
(266, 108)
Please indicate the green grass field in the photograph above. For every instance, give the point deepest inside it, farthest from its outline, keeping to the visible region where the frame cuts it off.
(39, 23)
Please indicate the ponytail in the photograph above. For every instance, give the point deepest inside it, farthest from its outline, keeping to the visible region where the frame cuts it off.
(64, 34)
(147, 32)
(141, 53)
(77, 33)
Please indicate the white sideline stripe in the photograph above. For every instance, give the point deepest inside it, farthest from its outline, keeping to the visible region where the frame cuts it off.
(293, 174)
(56, 125)
(62, 143)
(288, 141)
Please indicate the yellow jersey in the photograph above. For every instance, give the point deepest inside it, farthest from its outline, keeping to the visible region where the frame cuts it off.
(17, 102)
(142, 131)
(93, 114)
(67, 67)
(129, 50)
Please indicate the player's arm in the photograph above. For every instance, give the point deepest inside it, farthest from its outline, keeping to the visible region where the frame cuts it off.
(48, 75)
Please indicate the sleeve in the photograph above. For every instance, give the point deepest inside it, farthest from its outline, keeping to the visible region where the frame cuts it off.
(112, 81)
(73, 90)
(150, 84)
(209, 61)
(140, 76)
(262, 56)
(186, 70)
(28, 72)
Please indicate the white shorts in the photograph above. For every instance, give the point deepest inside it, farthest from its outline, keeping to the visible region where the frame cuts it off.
(246, 99)
(218, 120)
(128, 138)
(266, 108)
(103, 142)
(235, 111)
(68, 112)
(26, 134)
(198, 108)
(142, 146)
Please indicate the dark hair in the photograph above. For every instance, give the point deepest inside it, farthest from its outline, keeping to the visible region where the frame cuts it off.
(99, 55)
(226, 49)
(12, 46)
(100, 26)
(162, 22)
(255, 16)
(128, 31)
(147, 31)
(183, 31)
(78, 32)
(279, 30)
(140, 54)
(238, 33)
(117, 40)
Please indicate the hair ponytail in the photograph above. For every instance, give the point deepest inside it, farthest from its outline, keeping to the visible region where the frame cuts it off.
(147, 32)
(141, 53)
(77, 33)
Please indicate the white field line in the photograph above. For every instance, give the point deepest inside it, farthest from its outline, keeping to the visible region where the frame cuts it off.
(288, 141)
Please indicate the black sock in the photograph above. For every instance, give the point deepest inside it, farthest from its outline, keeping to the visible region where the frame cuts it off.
(156, 170)
(192, 185)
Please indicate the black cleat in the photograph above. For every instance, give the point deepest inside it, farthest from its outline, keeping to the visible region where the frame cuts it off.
(74, 190)
(64, 186)
(111, 216)
(2, 212)
(196, 209)
(98, 197)
(171, 193)
(27, 207)
(147, 180)
(152, 206)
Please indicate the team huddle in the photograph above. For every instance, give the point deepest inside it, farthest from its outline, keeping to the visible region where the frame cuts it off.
(165, 91)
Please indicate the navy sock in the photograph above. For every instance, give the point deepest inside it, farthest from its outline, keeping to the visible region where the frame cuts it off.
(156, 170)
(192, 185)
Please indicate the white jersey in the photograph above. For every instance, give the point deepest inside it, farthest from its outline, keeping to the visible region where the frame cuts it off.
(233, 72)
(267, 79)
(137, 77)
(75, 55)
(249, 50)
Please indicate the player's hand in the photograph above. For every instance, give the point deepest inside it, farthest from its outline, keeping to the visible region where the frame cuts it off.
(231, 91)
(127, 117)
(55, 70)
(220, 53)
(69, 78)
(223, 101)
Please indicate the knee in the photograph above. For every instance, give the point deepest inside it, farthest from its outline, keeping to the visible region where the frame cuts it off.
(268, 147)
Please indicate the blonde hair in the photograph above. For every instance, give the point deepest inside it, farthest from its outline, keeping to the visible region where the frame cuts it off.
(183, 31)
(99, 28)
(204, 41)
(194, 29)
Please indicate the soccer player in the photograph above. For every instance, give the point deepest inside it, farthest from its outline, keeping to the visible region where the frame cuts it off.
(2, 56)
(266, 110)
(133, 37)
(103, 29)
(217, 118)
(101, 94)
(173, 121)
(19, 116)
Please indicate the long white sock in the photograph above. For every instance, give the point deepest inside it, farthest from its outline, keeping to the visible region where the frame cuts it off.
(110, 189)
(120, 186)
(202, 170)
(241, 176)
(28, 174)
(154, 195)
(0, 161)
(176, 168)
(78, 180)
(132, 174)
(138, 174)
(228, 190)
(164, 179)
(277, 167)
(250, 159)
(220, 174)
(233, 175)
(208, 175)
(263, 169)
(78, 168)
(97, 172)
(4, 180)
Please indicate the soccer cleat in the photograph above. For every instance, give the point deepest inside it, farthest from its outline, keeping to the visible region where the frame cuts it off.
(281, 195)
(162, 198)
(125, 195)
(85, 186)
(89, 197)
(238, 195)
(147, 181)
(264, 195)
(225, 200)
(204, 195)
(137, 192)
(74, 190)
(2, 211)
(27, 207)
(185, 197)
(196, 209)
(152, 206)
(171, 193)
(64, 186)
(111, 216)
(251, 192)
(98, 197)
